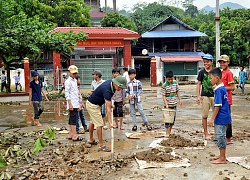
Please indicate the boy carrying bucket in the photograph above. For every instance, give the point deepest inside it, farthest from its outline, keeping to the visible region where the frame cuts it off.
(170, 93)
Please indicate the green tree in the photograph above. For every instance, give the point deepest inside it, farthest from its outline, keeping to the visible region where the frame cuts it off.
(72, 13)
(21, 37)
(147, 16)
(117, 20)
(191, 11)
(235, 33)
(58, 12)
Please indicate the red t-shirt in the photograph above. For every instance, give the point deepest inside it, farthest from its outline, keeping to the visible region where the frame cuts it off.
(227, 79)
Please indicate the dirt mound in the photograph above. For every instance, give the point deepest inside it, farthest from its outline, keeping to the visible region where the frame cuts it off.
(157, 155)
(69, 161)
(178, 141)
(242, 135)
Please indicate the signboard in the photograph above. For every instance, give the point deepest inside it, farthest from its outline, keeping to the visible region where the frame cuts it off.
(101, 43)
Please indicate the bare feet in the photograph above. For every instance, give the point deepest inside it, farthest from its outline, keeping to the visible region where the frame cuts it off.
(229, 141)
(37, 123)
(121, 128)
(216, 157)
(167, 135)
(219, 161)
(207, 137)
(115, 127)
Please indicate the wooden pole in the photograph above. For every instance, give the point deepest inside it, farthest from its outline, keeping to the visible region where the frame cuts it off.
(112, 132)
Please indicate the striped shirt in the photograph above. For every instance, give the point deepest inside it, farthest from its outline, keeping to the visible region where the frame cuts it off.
(170, 92)
(134, 87)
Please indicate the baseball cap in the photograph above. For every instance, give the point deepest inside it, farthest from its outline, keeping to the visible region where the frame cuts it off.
(34, 73)
(120, 81)
(73, 69)
(97, 72)
(208, 56)
(223, 58)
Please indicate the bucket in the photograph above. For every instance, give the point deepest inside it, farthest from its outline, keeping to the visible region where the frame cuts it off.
(168, 115)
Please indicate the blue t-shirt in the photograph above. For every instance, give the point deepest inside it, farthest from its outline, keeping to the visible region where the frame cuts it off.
(242, 76)
(36, 90)
(220, 99)
(103, 92)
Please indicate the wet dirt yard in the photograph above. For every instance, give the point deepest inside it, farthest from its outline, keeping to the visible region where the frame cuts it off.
(64, 159)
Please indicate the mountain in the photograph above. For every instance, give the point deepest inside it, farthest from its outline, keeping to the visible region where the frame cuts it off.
(224, 5)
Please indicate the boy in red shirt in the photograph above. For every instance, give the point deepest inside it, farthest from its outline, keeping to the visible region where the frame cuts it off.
(228, 81)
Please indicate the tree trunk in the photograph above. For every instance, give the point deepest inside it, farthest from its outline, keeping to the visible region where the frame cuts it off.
(7, 67)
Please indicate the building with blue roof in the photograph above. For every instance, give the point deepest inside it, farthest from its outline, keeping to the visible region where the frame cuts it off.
(175, 47)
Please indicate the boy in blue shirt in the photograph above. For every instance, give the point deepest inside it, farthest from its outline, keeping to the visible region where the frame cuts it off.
(242, 79)
(35, 97)
(221, 115)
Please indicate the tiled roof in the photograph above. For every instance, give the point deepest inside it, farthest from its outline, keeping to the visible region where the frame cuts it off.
(101, 32)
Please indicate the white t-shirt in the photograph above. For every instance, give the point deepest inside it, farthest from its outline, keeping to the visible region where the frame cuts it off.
(125, 74)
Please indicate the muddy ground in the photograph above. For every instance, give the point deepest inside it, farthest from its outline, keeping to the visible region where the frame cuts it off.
(72, 160)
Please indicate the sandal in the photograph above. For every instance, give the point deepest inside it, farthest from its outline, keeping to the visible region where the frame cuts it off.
(93, 142)
(134, 128)
(80, 132)
(149, 127)
(62, 128)
(78, 139)
(69, 138)
(104, 149)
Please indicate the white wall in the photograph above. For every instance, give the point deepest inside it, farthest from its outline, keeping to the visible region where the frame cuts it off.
(235, 70)
(13, 73)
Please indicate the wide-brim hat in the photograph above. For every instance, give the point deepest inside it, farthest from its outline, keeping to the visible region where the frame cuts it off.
(120, 81)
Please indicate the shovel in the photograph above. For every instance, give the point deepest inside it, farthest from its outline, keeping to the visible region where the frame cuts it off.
(112, 133)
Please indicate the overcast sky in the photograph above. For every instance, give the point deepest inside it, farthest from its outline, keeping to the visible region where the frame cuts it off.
(199, 3)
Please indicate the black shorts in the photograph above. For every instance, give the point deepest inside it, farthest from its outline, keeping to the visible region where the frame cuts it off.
(72, 116)
(118, 111)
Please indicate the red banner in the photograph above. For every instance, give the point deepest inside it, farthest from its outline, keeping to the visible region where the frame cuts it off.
(101, 43)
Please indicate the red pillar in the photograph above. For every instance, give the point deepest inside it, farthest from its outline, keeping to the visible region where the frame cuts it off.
(56, 64)
(127, 53)
(153, 72)
(26, 66)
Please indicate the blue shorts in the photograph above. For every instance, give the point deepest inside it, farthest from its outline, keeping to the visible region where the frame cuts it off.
(220, 135)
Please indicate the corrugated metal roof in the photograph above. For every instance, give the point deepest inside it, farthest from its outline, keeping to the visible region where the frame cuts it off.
(172, 34)
(161, 54)
(181, 58)
(176, 20)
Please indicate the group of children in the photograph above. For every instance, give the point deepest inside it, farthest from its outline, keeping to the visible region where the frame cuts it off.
(216, 93)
